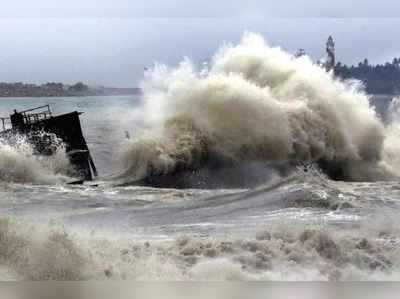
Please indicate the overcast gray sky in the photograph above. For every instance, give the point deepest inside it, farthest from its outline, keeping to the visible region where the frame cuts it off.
(200, 8)
(110, 42)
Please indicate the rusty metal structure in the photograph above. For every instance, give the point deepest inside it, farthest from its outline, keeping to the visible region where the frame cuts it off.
(39, 125)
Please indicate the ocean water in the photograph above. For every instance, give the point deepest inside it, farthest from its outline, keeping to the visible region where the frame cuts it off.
(252, 105)
(300, 227)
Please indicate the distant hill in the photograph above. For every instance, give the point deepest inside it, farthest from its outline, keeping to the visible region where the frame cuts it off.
(54, 89)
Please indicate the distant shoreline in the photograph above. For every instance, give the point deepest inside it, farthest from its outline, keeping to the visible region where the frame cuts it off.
(22, 90)
(68, 96)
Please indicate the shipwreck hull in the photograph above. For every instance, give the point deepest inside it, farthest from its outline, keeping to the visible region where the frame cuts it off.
(38, 127)
(68, 128)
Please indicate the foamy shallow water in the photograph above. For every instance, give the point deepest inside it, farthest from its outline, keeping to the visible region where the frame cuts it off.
(289, 231)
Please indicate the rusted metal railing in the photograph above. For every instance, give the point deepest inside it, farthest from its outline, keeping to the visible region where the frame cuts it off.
(31, 118)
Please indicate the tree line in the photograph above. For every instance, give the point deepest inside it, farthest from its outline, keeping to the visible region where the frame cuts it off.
(378, 79)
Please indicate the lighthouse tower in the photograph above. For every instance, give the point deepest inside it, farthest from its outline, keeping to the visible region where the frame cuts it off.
(330, 50)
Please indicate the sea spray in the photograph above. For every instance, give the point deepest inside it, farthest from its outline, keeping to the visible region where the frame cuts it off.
(391, 156)
(284, 251)
(39, 253)
(254, 103)
(19, 163)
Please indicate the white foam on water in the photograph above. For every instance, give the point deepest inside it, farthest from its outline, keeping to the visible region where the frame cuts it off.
(20, 164)
(285, 251)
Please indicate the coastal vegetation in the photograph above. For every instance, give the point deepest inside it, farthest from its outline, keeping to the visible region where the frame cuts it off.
(378, 79)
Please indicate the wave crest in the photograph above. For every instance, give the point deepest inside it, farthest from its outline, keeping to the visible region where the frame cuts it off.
(255, 103)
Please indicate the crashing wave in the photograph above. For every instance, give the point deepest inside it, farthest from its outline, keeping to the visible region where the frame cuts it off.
(259, 104)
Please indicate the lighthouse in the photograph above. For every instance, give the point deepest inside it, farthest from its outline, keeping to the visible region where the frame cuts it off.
(330, 50)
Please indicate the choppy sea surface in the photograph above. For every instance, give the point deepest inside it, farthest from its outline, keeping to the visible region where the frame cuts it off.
(300, 227)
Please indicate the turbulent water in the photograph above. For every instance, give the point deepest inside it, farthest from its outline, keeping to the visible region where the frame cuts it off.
(252, 104)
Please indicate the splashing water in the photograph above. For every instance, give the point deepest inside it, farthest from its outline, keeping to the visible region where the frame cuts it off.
(391, 157)
(255, 103)
(20, 164)
(281, 252)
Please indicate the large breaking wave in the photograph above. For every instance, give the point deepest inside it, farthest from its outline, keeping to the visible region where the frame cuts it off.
(256, 103)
